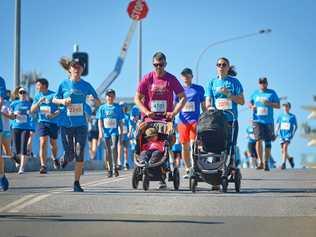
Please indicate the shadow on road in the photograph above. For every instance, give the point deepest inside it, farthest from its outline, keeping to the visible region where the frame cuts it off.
(58, 218)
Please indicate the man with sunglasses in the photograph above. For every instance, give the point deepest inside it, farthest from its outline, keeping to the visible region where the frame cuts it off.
(4, 184)
(262, 103)
(156, 91)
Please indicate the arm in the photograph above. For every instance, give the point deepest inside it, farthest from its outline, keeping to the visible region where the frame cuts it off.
(53, 115)
(182, 100)
(238, 99)
(36, 105)
(208, 102)
(275, 105)
(138, 101)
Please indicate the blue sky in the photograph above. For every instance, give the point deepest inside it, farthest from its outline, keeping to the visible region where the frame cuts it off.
(181, 29)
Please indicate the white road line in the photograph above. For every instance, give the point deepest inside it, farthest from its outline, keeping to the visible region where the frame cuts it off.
(19, 204)
(16, 202)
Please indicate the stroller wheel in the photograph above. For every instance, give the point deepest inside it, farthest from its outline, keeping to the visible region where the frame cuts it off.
(176, 179)
(136, 177)
(237, 180)
(145, 182)
(224, 184)
(193, 184)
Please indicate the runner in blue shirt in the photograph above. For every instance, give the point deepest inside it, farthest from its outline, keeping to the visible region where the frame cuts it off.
(262, 103)
(47, 122)
(93, 130)
(72, 94)
(286, 127)
(188, 117)
(135, 118)
(123, 144)
(251, 152)
(4, 184)
(225, 93)
(21, 125)
(110, 117)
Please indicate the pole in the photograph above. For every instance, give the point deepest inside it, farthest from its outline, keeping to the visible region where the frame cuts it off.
(222, 42)
(139, 56)
(17, 43)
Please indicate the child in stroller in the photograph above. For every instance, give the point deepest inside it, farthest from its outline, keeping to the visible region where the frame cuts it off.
(154, 139)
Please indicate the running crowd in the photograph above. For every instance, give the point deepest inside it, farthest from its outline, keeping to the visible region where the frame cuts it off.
(77, 112)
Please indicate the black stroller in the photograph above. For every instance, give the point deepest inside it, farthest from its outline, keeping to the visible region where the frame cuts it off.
(157, 171)
(213, 161)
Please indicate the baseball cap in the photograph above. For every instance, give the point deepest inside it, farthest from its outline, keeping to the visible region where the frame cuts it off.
(110, 91)
(22, 89)
(263, 80)
(187, 71)
(287, 103)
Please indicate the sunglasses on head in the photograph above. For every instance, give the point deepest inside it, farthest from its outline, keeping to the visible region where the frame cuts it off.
(221, 64)
(158, 64)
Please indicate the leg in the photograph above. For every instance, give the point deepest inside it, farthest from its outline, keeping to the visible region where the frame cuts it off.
(25, 137)
(114, 143)
(259, 151)
(108, 154)
(80, 142)
(120, 148)
(93, 149)
(42, 155)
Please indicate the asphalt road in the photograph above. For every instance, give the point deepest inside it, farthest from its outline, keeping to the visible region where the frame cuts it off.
(276, 203)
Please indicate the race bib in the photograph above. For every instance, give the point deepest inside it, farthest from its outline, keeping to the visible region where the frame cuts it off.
(189, 107)
(109, 123)
(75, 110)
(158, 106)
(285, 126)
(262, 111)
(223, 103)
(21, 118)
(45, 109)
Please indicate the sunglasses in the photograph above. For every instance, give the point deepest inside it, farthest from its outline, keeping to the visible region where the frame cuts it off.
(158, 65)
(22, 92)
(221, 64)
(262, 82)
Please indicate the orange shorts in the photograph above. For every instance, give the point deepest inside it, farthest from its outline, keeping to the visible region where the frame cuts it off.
(187, 132)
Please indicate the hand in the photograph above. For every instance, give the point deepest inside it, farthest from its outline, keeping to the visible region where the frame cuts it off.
(170, 115)
(50, 116)
(41, 100)
(67, 101)
(224, 91)
(150, 114)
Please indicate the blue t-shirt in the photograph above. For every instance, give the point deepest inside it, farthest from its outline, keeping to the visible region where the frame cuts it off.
(77, 91)
(126, 126)
(191, 111)
(111, 116)
(287, 125)
(93, 121)
(250, 135)
(263, 113)
(219, 100)
(22, 110)
(2, 94)
(47, 107)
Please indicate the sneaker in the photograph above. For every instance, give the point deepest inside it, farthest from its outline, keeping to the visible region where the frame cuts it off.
(283, 166)
(170, 176)
(43, 170)
(266, 166)
(56, 164)
(4, 183)
(21, 170)
(187, 174)
(110, 174)
(126, 167)
(77, 187)
(291, 160)
(162, 185)
(216, 187)
(116, 173)
(260, 166)
(64, 163)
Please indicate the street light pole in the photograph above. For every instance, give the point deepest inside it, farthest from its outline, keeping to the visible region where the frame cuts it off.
(222, 42)
(139, 55)
(17, 43)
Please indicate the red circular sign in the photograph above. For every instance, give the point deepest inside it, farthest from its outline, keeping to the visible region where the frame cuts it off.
(137, 9)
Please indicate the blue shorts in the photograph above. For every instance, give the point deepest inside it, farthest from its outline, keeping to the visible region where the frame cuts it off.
(6, 135)
(48, 129)
(285, 140)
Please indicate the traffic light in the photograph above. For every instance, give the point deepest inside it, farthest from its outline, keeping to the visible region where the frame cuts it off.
(83, 57)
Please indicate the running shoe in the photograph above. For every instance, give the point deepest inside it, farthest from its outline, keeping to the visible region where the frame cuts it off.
(266, 166)
(64, 163)
(4, 183)
(291, 160)
(56, 164)
(110, 174)
(126, 167)
(43, 170)
(216, 187)
(162, 185)
(116, 172)
(283, 166)
(21, 170)
(187, 174)
(77, 187)
(260, 166)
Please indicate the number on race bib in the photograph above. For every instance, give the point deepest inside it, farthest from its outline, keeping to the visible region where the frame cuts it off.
(158, 106)
(223, 104)
(285, 126)
(262, 111)
(189, 107)
(75, 110)
(110, 123)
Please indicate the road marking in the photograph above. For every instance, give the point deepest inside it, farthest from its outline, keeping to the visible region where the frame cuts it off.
(16, 202)
(28, 200)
